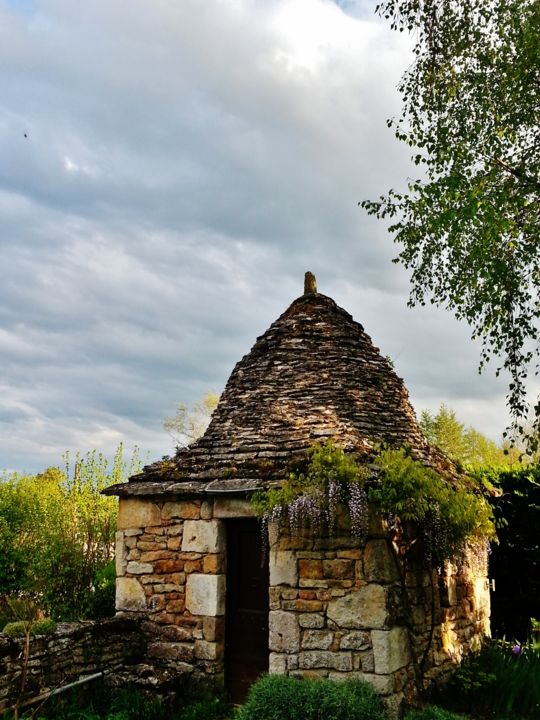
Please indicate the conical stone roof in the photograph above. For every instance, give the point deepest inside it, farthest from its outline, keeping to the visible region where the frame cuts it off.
(314, 375)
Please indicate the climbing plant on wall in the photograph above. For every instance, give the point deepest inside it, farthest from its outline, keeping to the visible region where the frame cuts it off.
(422, 510)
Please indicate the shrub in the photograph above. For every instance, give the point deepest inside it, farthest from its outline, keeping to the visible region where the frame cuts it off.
(500, 680)
(37, 627)
(276, 697)
(432, 712)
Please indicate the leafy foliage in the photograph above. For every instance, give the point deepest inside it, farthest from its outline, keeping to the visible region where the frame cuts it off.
(501, 681)
(468, 224)
(18, 628)
(189, 423)
(447, 516)
(515, 559)
(313, 498)
(57, 535)
(464, 445)
(432, 712)
(276, 697)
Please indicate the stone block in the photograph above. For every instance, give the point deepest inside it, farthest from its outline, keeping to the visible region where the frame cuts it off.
(232, 508)
(214, 564)
(137, 513)
(312, 569)
(205, 650)
(171, 651)
(363, 608)
(317, 639)
(284, 632)
(277, 664)
(183, 510)
(203, 536)
(283, 568)
(139, 568)
(338, 569)
(391, 650)
(213, 628)
(130, 594)
(378, 563)
(311, 620)
(312, 659)
(120, 554)
(383, 684)
(356, 641)
(205, 594)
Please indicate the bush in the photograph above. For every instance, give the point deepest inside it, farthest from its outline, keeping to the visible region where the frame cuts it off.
(501, 680)
(37, 627)
(278, 698)
(432, 712)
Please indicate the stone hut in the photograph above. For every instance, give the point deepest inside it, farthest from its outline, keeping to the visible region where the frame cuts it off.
(190, 561)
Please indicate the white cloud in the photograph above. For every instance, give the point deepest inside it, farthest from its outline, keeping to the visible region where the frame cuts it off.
(184, 164)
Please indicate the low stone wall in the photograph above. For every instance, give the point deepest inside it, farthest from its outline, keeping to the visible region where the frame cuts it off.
(73, 651)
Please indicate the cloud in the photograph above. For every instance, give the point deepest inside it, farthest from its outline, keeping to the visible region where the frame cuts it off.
(183, 165)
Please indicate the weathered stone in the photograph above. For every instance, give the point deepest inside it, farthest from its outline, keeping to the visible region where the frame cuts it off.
(356, 641)
(205, 650)
(135, 513)
(283, 568)
(325, 659)
(184, 510)
(277, 664)
(338, 569)
(391, 649)
(383, 684)
(205, 594)
(120, 554)
(311, 620)
(139, 568)
(154, 555)
(171, 651)
(308, 605)
(378, 563)
(130, 594)
(232, 508)
(312, 569)
(213, 628)
(284, 632)
(363, 608)
(207, 510)
(203, 536)
(317, 639)
(213, 563)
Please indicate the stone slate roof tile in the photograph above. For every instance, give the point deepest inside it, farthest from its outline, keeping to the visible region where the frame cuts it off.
(314, 375)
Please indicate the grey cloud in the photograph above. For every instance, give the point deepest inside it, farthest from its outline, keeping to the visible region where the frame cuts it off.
(185, 164)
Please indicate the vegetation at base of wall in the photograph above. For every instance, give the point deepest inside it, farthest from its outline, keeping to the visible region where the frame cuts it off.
(499, 681)
(275, 697)
(128, 704)
(57, 538)
(432, 712)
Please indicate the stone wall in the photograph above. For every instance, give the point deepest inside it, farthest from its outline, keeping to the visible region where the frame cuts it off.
(336, 609)
(171, 572)
(73, 651)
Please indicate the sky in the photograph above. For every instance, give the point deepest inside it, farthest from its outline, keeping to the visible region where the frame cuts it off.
(168, 172)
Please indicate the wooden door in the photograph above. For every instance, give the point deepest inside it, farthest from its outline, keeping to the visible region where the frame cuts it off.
(246, 638)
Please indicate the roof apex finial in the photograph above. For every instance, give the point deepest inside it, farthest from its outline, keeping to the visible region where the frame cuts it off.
(310, 283)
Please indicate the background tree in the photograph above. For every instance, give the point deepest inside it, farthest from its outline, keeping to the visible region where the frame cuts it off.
(190, 422)
(468, 226)
(464, 444)
(57, 536)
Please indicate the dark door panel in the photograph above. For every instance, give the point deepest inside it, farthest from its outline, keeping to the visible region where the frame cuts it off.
(246, 639)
